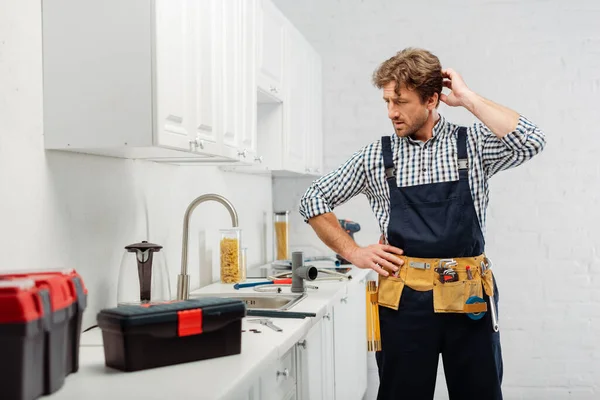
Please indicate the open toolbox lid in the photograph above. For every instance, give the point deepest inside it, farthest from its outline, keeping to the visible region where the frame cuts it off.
(176, 318)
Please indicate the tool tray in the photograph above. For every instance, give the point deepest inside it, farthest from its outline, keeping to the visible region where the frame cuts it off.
(138, 337)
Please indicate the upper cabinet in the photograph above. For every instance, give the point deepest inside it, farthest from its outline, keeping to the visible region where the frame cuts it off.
(181, 81)
(185, 76)
(314, 137)
(290, 133)
(271, 38)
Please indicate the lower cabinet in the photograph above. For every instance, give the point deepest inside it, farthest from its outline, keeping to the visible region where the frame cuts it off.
(279, 380)
(350, 344)
(315, 361)
(329, 363)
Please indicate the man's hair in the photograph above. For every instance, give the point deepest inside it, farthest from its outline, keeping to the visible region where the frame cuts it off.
(417, 69)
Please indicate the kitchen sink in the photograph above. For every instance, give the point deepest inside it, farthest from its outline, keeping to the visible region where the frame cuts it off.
(260, 301)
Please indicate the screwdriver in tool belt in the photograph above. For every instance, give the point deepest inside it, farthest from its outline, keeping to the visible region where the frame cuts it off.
(469, 274)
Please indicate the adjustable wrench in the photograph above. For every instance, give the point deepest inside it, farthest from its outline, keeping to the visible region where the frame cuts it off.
(485, 266)
(266, 322)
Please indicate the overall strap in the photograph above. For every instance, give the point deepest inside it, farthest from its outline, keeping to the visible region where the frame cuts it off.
(463, 161)
(388, 160)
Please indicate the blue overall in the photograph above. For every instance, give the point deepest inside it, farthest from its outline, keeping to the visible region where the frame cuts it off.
(435, 220)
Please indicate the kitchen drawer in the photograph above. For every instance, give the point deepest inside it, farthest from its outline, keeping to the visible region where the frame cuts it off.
(279, 379)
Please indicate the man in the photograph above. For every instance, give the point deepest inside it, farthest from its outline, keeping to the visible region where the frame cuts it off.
(428, 188)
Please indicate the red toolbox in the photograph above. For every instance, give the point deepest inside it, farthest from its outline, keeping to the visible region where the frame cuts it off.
(138, 337)
(68, 298)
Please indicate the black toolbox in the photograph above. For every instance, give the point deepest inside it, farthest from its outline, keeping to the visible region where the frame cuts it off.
(67, 298)
(138, 337)
(24, 323)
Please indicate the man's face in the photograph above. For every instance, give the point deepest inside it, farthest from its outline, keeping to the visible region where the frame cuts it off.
(407, 112)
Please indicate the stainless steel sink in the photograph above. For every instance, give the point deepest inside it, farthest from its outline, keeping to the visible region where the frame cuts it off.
(260, 301)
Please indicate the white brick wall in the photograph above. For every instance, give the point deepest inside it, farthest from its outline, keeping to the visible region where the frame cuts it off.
(541, 58)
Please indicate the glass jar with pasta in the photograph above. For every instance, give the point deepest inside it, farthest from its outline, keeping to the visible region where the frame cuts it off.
(231, 255)
(281, 231)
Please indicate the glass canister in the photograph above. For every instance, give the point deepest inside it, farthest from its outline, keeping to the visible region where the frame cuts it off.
(231, 255)
(281, 221)
(244, 269)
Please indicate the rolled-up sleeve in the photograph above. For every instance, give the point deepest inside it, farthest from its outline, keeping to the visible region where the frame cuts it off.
(335, 188)
(512, 150)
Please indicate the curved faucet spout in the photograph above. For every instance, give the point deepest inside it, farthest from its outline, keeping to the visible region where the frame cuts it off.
(183, 280)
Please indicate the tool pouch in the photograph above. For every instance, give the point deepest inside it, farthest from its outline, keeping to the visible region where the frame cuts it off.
(389, 291)
(450, 297)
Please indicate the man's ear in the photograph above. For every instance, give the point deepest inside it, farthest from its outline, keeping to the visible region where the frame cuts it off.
(433, 102)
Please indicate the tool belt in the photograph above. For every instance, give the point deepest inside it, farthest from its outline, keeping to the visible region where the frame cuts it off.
(455, 290)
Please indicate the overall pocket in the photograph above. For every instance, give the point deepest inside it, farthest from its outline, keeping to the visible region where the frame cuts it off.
(389, 291)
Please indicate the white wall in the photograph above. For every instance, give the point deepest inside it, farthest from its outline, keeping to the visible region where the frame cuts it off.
(540, 58)
(79, 211)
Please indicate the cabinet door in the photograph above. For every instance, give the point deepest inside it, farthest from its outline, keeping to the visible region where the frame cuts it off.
(310, 364)
(271, 44)
(351, 344)
(296, 113)
(314, 137)
(173, 74)
(231, 56)
(205, 25)
(328, 355)
(248, 80)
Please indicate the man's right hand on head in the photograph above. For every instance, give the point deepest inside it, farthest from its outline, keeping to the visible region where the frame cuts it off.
(381, 258)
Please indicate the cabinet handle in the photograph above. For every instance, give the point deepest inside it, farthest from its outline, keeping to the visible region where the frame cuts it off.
(274, 89)
(327, 316)
(318, 171)
(258, 159)
(197, 143)
(307, 170)
(243, 153)
(302, 344)
(285, 373)
(344, 299)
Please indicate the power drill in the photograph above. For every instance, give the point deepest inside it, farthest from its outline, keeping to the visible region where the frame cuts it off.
(351, 228)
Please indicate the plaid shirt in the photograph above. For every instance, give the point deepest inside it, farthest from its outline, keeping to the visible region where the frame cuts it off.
(419, 163)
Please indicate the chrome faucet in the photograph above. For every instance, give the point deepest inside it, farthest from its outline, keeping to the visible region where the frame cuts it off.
(183, 280)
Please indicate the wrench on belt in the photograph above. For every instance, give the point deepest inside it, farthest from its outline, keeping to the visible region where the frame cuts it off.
(485, 266)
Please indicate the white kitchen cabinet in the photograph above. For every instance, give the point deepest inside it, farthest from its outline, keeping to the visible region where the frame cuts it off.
(328, 354)
(149, 87)
(316, 361)
(314, 137)
(311, 365)
(296, 108)
(350, 344)
(271, 45)
(279, 378)
(239, 78)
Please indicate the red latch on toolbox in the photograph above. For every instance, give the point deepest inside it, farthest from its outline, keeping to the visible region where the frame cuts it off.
(189, 322)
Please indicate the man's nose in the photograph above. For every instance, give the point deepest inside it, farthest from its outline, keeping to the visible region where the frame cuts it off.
(392, 112)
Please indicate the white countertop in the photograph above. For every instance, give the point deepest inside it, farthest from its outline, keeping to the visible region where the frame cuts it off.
(207, 379)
